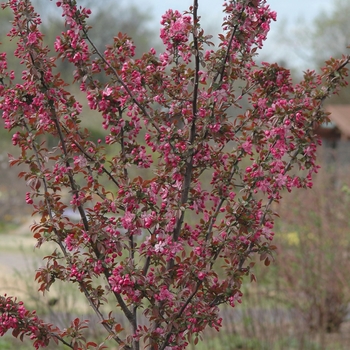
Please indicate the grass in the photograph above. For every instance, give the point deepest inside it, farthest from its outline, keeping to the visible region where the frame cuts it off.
(244, 327)
(249, 330)
(277, 339)
(239, 342)
(6, 226)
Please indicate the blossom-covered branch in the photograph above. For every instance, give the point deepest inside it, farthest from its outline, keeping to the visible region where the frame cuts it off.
(182, 185)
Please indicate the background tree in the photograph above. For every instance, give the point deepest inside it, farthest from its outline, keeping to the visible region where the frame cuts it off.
(120, 17)
(330, 32)
(330, 35)
(313, 42)
(171, 217)
(117, 17)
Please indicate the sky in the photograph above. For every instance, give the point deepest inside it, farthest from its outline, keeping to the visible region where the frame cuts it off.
(291, 9)
(289, 14)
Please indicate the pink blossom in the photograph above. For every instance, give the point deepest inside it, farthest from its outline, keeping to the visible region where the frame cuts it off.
(159, 247)
(247, 146)
(127, 220)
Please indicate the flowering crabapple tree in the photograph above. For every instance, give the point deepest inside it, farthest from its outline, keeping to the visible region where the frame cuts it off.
(177, 198)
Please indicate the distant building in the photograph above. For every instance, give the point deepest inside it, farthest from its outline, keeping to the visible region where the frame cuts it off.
(335, 135)
(339, 126)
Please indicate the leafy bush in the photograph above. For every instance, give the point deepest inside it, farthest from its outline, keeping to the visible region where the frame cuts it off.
(157, 242)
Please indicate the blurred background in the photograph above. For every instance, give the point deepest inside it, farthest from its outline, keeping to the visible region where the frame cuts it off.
(301, 301)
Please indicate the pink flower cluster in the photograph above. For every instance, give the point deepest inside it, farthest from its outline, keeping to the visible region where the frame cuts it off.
(125, 284)
(176, 28)
(13, 315)
(175, 34)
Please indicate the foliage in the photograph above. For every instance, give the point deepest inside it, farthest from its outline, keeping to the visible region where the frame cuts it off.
(331, 31)
(303, 297)
(312, 42)
(329, 36)
(171, 245)
(116, 17)
(320, 291)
